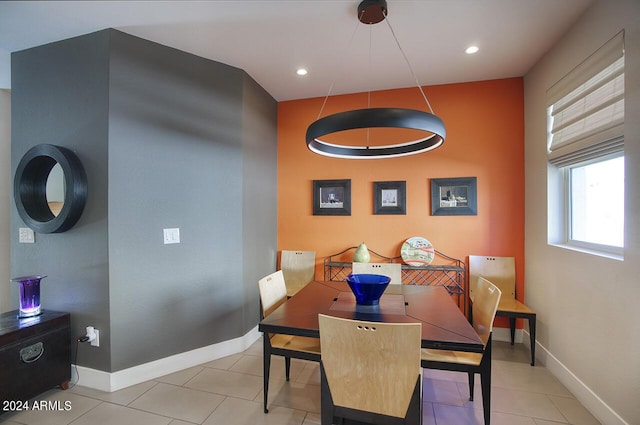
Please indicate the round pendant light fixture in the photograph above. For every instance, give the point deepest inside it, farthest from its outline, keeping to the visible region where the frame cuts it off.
(429, 125)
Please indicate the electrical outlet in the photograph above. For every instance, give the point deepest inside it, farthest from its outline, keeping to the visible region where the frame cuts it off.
(96, 341)
(94, 336)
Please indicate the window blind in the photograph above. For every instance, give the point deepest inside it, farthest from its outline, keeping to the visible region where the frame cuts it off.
(586, 108)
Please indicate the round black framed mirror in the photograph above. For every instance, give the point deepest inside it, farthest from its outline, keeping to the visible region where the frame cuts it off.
(30, 189)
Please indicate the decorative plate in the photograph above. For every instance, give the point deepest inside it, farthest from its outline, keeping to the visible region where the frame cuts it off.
(417, 251)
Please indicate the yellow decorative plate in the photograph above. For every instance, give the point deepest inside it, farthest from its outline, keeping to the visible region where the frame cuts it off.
(417, 251)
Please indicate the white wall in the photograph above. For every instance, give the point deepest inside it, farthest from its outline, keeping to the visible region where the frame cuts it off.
(5, 197)
(588, 328)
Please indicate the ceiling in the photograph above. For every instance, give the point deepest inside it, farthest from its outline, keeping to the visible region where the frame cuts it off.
(270, 39)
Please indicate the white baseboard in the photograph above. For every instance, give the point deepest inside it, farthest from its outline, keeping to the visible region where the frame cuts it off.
(106, 381)
(590, 400)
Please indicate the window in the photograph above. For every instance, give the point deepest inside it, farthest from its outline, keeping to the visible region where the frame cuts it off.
(586, 152)
(596, 200)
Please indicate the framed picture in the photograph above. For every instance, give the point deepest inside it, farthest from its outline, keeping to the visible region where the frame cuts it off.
(390, 197)
(455, 196)
(332, 197)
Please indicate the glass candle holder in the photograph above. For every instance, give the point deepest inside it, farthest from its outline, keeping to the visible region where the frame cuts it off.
(29, 294)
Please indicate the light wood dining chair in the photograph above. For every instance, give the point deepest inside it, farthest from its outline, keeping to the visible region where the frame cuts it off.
(273, 293)
(392, 270)
(502, 272)
(486, 302)
(298, 268)
(370, 371)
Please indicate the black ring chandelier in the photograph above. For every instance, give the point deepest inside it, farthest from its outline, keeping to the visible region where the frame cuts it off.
(372, 12)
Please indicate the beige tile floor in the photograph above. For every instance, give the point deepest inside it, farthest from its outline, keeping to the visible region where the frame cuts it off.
(228, 391)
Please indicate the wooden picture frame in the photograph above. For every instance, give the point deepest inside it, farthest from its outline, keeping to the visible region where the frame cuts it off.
(454, 196)
(332, 197)
(390, 197)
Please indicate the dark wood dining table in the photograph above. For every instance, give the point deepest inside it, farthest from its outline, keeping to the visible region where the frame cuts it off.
(444, 326)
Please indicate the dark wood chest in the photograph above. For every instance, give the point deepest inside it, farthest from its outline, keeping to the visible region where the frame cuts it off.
(35, 354)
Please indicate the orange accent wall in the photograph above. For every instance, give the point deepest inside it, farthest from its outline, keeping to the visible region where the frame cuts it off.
(485, 138)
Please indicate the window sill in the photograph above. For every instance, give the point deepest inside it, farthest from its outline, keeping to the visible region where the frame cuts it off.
(584, 250)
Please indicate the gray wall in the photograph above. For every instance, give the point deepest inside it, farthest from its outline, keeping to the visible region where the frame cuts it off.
(5, 198)
(260, 193)
(588, 325)
(60, 96)
(180, 150)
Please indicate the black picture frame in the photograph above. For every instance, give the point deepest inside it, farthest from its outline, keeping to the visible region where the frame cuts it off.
(332, 197)
(454, 196)
(390, 197)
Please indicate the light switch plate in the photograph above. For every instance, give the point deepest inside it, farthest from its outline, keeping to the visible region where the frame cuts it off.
(26, 235)
(171, 235)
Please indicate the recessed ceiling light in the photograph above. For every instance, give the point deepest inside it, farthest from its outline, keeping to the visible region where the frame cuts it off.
(471, 50)
(301, 71)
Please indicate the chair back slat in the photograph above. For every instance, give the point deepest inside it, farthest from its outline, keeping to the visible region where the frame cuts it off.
(273, 292)
(485, 305)
(371, 366)
(501, 271)
(299, 268)
(392, 270)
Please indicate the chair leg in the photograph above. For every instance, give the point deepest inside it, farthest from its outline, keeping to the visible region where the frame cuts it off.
(326, 401)
(512, 328)
(471, 384)
(266, 365)
(485, 382)
(532, 338)
(287, 367)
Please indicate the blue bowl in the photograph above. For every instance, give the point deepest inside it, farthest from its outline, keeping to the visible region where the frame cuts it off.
(367, 288)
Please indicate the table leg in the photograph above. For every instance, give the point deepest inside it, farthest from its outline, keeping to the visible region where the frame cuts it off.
(266, 363)
(532, 338)
(512, 328)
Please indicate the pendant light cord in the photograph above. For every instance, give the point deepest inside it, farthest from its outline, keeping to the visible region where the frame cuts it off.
(408, 64)
(326, 98)
(406, 59)
(369, 80)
